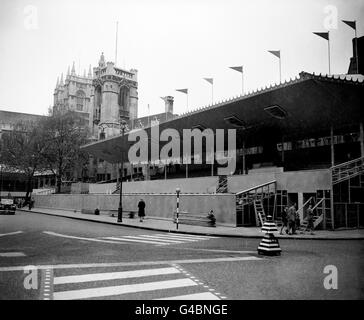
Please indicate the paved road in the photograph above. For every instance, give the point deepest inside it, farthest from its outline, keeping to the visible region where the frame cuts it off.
(86, 260)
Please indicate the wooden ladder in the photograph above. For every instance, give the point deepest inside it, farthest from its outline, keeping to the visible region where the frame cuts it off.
(259, 212)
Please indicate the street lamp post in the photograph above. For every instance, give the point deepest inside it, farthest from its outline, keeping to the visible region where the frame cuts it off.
(1, 180)
(120, 209)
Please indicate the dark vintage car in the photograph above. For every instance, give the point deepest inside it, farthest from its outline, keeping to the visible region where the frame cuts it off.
(7, 206)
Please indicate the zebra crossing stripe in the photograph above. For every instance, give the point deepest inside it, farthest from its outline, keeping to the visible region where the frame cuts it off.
(180, 239)
(153, 239)
(186, 236)
(123, 289)
(77, 238)
(193, 296)
(163, 239)
(114, 275)
(132, 240)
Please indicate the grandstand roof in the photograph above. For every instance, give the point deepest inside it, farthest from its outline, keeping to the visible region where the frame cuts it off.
(302, 107)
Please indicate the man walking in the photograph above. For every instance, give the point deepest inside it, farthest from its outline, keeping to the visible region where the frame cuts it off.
(141, 210)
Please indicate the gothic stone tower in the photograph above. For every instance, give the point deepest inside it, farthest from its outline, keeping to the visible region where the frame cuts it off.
(74, 93)
(114, 97)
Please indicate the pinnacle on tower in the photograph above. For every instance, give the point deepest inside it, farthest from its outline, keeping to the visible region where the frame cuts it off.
(68, 71)
(61, 81)
(102, 60)
(73, 72)
(89, 72)
(57, 82)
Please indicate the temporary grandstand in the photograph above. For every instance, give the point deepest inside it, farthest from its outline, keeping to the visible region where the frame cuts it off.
(300, 142)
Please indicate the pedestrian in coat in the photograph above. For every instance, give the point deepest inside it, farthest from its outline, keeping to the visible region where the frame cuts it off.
(298, 221)
(310, 219)
(284, 220)
(292, 219)
(31, 203)
(141, 210)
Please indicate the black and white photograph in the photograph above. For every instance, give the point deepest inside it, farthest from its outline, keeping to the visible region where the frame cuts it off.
(194, 151)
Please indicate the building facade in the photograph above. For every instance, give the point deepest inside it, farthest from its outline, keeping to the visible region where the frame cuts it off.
(114, 97)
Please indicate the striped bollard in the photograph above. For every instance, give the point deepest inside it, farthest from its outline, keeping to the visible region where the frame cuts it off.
(269, 244)
(178, 190)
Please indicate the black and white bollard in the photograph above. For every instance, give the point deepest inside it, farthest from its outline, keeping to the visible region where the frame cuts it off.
(178, 190)
(269, 245)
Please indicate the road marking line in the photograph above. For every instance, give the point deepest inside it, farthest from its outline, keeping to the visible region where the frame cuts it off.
(10, 233)
(78, 238)
(128, 264)
(147, 239)
(46, 284)
(218, 250)
(193, 296)
(175, 238)
(12, 254)
(164, 239)
(132, 240)
(114, 275)
(124, 289)
(186, 237)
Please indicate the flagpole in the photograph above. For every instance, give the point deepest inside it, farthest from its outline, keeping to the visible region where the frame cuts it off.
(328, 43)
(280, 70)
(212, 93)
(242, 82)
(356, 49)
(187, 100)
(148, 116)
(116, 43)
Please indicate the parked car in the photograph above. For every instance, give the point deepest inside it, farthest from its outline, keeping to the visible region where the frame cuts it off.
(7, 206)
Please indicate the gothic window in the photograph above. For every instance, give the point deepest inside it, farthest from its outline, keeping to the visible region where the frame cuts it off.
(124, 98)
(98, 101)
(80, 103)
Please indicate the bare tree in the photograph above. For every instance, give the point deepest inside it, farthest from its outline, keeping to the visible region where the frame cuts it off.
(63, 135)
(21, 151)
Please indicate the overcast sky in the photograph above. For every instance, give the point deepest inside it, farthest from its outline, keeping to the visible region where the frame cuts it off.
(173, 44)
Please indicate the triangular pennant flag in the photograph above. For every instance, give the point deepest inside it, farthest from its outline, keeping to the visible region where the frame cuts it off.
(239, 69)
(350, 23)
(183, 90)
(210, 80)
(276, 53)
(324, 35)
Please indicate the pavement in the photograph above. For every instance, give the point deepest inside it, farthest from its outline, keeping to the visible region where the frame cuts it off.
(162, 224)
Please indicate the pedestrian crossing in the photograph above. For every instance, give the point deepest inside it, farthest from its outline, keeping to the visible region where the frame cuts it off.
(160, 239)
(159, 283)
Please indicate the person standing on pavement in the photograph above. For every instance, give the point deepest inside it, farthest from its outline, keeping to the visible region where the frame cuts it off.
(310, 219)
(31, 203)
(141, 210)
(284, 220)
(298, 220)
(292, 219)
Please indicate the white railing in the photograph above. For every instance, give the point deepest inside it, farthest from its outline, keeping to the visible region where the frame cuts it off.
(347, 170)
